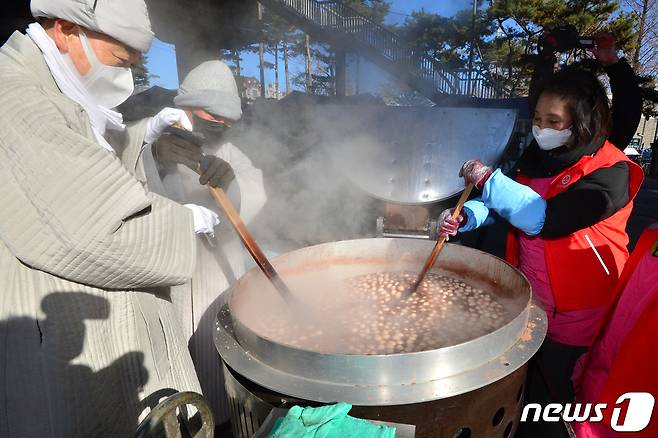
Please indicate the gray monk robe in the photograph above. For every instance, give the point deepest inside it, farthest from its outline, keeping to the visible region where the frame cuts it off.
(87, 340)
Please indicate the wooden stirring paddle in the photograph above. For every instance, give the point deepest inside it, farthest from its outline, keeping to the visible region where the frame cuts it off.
(234, 217)
(439, 243)
(249, 242)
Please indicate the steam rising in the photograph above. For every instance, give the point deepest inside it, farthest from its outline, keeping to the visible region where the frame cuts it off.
(310, 200)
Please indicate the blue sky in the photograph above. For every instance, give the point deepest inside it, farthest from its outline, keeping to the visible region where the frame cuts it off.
(162, 56)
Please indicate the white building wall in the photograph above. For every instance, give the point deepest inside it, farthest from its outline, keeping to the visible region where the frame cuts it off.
(646, 131)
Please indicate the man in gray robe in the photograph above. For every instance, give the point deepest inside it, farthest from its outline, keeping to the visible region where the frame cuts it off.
(88, 336)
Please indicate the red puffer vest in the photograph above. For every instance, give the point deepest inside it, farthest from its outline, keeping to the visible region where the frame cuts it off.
(578, 278)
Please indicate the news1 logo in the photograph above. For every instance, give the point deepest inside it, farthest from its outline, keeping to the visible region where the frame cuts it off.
(631, 412)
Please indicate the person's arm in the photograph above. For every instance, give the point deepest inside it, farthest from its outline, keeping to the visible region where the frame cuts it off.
(518, 204)
(473, 215)
(626, 103)
(626, 96)
(132, 147)
(592, 199)
(131, 143)
(476, 215)
(542, 73)
(70, 208)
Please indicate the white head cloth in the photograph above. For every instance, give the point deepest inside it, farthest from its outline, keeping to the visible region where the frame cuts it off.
(126, 21)
(211, 87)
(101, 118)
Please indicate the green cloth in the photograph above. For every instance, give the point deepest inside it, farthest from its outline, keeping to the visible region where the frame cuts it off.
(327, 422)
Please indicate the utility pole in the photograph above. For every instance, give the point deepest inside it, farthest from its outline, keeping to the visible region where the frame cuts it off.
(341, 72)
(358, 74)
(309, 67)
(238, 73)
(261, 52)
(285, 62)
(276, 68)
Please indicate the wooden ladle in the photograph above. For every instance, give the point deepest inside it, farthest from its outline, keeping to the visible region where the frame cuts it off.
(439, 243)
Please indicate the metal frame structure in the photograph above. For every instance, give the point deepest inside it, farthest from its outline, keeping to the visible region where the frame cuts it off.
(346, 28)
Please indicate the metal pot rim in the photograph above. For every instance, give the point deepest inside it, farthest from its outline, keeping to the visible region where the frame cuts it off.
(442, 373)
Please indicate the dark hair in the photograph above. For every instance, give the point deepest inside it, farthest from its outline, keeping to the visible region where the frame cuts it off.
(586, 101)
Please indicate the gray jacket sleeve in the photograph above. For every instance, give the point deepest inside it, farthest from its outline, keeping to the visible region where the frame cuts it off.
(70, 208)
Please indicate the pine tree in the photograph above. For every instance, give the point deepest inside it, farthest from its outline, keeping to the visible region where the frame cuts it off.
(645, 55)
(319, 76)
(520, 23)
(507, 30)
(376, 10)
(141, 75)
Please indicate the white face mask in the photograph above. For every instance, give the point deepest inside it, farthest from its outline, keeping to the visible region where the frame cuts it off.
(548, 138)
(108, 86)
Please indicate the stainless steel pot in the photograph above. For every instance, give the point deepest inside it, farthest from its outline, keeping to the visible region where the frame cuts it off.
(395, 379)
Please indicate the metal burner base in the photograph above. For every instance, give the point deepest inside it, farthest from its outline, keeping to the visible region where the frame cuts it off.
(491, 411)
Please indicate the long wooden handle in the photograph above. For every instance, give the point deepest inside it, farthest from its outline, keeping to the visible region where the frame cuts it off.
(439, 243)
(248, 240)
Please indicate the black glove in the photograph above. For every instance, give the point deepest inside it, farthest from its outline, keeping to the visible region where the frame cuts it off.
(216, 172)
(179, 146)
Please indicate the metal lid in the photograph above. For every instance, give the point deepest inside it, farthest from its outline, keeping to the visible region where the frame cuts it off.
(413, 155)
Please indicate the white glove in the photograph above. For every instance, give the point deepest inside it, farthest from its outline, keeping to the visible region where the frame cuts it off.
(164, 119)
(204, 220)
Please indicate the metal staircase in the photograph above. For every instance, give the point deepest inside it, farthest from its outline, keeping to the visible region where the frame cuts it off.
(348, 30)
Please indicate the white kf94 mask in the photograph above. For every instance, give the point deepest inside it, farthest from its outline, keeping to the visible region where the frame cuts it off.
(548, 138)
(108, 86)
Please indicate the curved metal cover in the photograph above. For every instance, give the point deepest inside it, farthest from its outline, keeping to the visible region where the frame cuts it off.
(413, 155)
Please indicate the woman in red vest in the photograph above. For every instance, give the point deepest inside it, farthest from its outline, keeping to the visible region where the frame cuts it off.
(623, 359)
(568, 204)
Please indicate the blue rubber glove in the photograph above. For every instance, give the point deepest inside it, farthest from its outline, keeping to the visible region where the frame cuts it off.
(518, 204)
(477, 214)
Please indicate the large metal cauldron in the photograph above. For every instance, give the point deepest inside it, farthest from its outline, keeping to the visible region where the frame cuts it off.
(474, 387)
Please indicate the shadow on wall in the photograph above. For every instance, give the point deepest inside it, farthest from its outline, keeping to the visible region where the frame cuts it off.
(44, 392)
